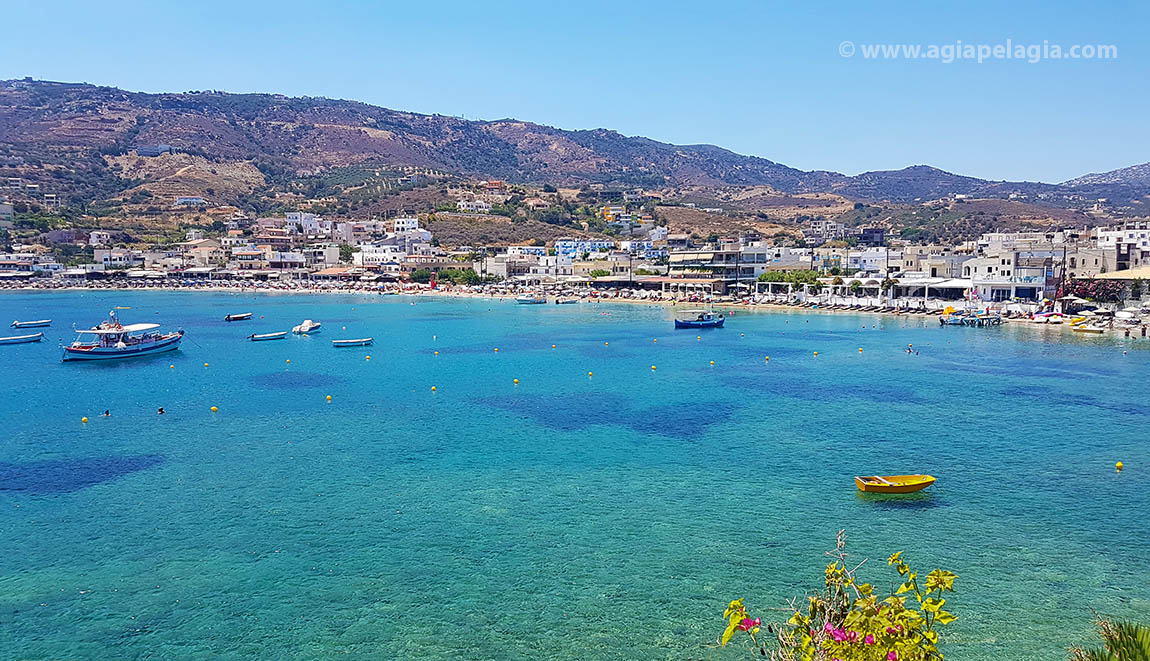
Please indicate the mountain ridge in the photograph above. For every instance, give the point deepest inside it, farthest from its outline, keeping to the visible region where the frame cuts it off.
(44, 119)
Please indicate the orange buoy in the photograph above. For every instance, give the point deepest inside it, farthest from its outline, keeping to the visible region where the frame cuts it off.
(516, 381)
(215, 409)
(84, 420)
(589, 373)
(432, 388)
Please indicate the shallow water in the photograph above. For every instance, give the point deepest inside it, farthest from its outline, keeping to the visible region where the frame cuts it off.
(568, 517)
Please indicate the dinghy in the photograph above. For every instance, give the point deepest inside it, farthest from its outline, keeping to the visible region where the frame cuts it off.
(261, 337)
(242, 316)
(358, 342)
(21, 339)
(39, 323)
(893, 483)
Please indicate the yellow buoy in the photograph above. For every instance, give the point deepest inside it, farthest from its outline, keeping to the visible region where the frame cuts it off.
(215, 409)
(816, 354)
(367, 358)
(606, 343)
(767, 359)
(652, 368)
(437, 353)
(1117, 466)
(496, 349)
(289, 361)
(712, 362)
(432, 388)
(329, 398)
(655, 340)
(516, 381)
(698, 337)
(589, 373)
(84, 420)
(205, 364)
(860, 349)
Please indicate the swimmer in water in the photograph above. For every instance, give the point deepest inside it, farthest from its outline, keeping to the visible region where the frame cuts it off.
(107, 413)
(160, 411)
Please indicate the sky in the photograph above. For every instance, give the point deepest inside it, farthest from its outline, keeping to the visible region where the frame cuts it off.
(767, 78)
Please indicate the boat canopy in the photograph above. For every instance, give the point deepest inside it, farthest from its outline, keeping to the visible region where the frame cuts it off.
(130, 328)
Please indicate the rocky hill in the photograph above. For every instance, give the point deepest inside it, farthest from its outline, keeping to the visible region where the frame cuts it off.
(78, 134)
(1135, 175)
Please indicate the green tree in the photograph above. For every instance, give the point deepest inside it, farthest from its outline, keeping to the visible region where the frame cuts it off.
(421, 275)
(345, 252)
(599, 273)
(855, 287)
(1136, 288)
(1122, 641)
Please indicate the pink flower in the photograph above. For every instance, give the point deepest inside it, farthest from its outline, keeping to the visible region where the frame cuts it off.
(746, 624)
(853, 636)
(828, 628)
(869, 640)
(839, 635)
(892, 656)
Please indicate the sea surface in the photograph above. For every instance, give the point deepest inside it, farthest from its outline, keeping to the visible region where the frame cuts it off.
(571, 516)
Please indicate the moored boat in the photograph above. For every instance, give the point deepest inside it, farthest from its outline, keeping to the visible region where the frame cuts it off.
(893, 483)
(242, 316)
(530, 299)
(357, 342)
(308, 326)
(263, 337)
(38, 323)
(21, 339)
(566, 301)
(111, 340)
(1088, 328)
(699, 319)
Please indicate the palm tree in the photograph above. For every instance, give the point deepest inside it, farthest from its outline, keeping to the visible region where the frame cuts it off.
(1122, 641)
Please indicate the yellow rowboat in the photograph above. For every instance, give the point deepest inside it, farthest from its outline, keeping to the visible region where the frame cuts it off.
(893, 483)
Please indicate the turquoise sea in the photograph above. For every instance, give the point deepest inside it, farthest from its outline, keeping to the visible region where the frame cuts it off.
(566, 517)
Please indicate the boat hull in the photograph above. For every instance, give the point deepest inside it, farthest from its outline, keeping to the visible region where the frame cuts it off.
(21, 339)
(111, 353)
(532, 301)
(715, 323)
(268, 336)
(238, 317)
(32, 324)
(895, 483)
(365, 342)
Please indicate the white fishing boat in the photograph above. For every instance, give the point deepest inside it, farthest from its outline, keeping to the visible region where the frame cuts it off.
(308, 326)
(39, 323)
(21, 339)
(530, 299)
(566, 301)
(242, 316)
(111, 340)
(263, 337)
(358, 342)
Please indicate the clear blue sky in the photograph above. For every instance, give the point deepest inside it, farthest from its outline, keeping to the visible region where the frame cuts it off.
(762, 78)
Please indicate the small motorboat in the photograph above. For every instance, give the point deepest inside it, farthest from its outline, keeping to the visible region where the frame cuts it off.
(242, 316)
(261, 337)
(530, 299)
(21, 339)
(566, 301)
(308, 326)
(39, 323)
(1088, 328)
(358, 342)
(893, 483)
(699, 319)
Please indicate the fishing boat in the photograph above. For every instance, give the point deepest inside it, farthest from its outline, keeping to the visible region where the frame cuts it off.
(242, 316)
(262, 337)
(1088, 328)
(39, 323)
(308, 326)
(21, 339)
(566, 301)
(893, 483)
(358, 342)
(111, 340)
(530, 299)
(699, 319)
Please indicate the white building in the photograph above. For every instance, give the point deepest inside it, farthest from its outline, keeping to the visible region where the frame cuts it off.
(404, 223)
(474, 206)
(100, 238)
(194, 235)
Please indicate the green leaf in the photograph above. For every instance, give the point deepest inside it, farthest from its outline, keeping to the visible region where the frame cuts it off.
(943, 617)
(731, 628)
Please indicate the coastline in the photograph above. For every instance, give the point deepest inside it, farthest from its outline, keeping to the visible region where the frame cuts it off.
(451, 292)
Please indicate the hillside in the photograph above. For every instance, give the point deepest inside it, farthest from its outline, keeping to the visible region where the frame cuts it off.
(69, 126)
(1135, 175)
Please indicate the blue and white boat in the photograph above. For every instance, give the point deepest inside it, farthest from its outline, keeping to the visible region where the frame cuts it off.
(111, 340)
(699, 319)
(530, 299)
